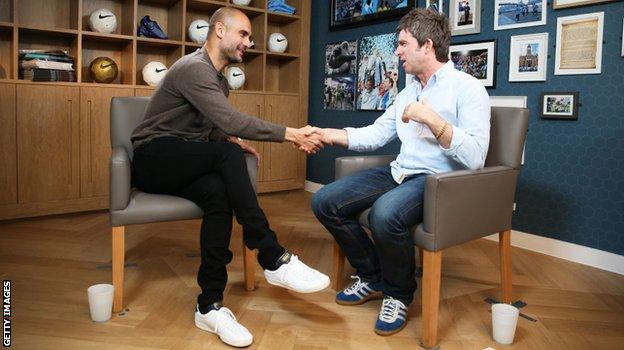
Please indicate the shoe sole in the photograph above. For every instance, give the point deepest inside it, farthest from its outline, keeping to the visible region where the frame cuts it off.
(205, 328)
(376, 295)
(303, 291)
(387, 333)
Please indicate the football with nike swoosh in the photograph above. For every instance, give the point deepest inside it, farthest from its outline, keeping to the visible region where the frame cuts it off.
(235, 77)
(241, 2)
(103, 70)
(103, 21)
(198, 31)
(153, 72)
(277, 42)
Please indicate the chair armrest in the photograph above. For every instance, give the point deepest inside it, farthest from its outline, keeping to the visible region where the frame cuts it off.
(349, 165)
(467, 204)
(119, 179)
(252, 169)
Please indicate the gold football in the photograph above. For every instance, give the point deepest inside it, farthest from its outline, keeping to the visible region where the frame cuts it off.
(103, 70)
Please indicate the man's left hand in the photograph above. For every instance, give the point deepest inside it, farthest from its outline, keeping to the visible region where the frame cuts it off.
(246, 147)
(420, 112)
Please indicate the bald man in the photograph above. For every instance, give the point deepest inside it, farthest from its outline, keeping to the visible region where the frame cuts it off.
(188, 146)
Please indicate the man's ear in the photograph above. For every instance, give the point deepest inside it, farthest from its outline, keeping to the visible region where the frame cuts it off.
(219, 30)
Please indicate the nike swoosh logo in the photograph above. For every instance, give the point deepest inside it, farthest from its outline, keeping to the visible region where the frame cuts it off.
(237, 75)
(280, 40)
(104, 66)
(200, 27)
(160, 70)
(105, 16)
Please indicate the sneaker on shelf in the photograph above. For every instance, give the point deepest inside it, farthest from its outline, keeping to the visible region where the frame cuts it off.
(297, 277)
(151, 29)
(222, 322)
(392, 316)
(359, 292)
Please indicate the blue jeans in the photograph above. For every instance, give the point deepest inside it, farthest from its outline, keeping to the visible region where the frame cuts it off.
(389, 256)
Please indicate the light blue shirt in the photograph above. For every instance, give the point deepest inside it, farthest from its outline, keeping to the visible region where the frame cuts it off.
(458, 98)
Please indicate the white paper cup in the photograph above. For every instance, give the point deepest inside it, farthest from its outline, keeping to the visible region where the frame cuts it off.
(504, 320)
(100, 302)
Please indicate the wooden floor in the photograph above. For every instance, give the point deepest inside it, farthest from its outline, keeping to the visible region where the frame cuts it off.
(51, 261)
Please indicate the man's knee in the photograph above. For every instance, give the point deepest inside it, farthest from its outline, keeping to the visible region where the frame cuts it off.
(322, 203)
(386, 222)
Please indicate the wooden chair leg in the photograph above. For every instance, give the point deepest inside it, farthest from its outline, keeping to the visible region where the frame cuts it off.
(504, 247)
(338, 267)
(432, 268)
(119, 251)
(249, 265)
(420, 256)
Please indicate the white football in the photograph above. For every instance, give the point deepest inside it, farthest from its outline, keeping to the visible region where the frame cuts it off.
(103, 21)
(235, 77)
(277, 42)
(241, 2)
(198, 31)
(153, 72)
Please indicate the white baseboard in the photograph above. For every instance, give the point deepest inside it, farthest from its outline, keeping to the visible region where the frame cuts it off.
(560, 249)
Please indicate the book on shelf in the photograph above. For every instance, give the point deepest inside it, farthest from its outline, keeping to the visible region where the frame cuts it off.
(37, 63)
(45, 57)
(38, 74)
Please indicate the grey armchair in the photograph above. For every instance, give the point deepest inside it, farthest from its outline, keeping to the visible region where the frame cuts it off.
(459, 206)
(129, 206)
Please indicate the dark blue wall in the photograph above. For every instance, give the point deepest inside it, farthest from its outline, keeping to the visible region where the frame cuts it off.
(571, 187)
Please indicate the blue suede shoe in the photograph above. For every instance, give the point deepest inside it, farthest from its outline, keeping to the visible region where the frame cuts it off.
(150, 29)
(359, 292)
(392, 316)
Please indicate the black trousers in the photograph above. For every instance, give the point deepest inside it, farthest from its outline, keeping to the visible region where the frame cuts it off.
(214, 176)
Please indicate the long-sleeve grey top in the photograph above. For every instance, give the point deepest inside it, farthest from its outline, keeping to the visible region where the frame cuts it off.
(191, 103)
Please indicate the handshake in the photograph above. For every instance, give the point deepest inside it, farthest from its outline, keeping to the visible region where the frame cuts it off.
(309, 139)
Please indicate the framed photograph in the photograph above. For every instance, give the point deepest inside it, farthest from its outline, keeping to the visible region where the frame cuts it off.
(350, 13)
(378, 72)
(340, 58)
(623, 37)
(465, 16)
(477, 59)
(560, 4)
(437, 5)
(559, 105)
(527, 57)
(339, 93)
(579, 44)
(510, 14)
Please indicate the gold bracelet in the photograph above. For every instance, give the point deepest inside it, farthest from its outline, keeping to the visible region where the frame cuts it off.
(442, 131)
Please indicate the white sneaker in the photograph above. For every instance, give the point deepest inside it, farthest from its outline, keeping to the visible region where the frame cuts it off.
(298, 277)
(223, 323)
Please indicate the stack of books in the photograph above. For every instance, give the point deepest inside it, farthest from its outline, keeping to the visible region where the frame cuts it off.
(46, 65)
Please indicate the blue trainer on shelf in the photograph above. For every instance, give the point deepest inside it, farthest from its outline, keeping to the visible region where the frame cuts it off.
(150, 29)
(359, 292)
(392, 316)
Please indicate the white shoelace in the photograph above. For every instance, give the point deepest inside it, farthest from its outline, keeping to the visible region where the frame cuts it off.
(355, 286)
(390, 309)
(227, 312)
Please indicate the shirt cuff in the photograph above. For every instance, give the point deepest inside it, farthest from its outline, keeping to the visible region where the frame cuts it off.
(457, 140)
(351, 139)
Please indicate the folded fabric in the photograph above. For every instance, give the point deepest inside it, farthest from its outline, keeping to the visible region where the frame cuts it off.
(280, 6)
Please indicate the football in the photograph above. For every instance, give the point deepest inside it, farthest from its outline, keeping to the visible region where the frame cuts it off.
(103, 21)
(153, 72)
(235, 77)
(198, 31)
(278, 42)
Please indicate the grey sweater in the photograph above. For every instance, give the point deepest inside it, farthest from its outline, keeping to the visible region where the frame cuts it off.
(191, 103)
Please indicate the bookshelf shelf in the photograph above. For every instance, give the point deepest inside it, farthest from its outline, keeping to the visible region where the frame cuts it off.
(106, 37)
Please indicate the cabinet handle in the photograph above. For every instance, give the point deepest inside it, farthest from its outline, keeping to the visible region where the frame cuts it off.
(259, 111)
(271, 111)
(88, 143)
(71, 136)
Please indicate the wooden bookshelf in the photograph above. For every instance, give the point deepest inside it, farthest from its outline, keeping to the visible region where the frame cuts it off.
(275, 89)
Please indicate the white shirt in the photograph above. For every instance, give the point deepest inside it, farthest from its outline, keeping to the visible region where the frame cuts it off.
(458, 98)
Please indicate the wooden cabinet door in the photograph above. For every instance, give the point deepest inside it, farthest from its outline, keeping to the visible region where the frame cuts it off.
(47, 143)
(144, 92)
(95, 146)
(8, 146)
(284, 161)
(252, 104)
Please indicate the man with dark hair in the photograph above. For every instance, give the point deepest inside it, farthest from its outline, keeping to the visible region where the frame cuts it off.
(188, 146)
(442, 120)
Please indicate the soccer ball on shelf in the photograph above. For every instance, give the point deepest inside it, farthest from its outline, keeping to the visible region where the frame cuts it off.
(198, 31)
(235, 77)
(103, 70)
(103, 21)
(277, 42)
(153, 72)
(241, 2)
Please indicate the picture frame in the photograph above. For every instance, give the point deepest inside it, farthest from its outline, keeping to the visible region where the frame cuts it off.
(348, 13)
(341, 57)
(579, 44)
(510, 14)
(465, 17)
(561, 4)
(528, 57)
(339, 93)
(622, 54)
(477, 59)
(378, 71)
(437, 5)
(559, 105)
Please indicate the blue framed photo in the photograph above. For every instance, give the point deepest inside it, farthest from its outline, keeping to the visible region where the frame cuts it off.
(351, 13)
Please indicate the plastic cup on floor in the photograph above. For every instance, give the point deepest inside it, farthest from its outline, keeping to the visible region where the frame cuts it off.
(100, 302)
(504, 321)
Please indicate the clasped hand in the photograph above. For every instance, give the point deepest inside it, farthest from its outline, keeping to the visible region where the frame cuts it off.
(418, 111)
